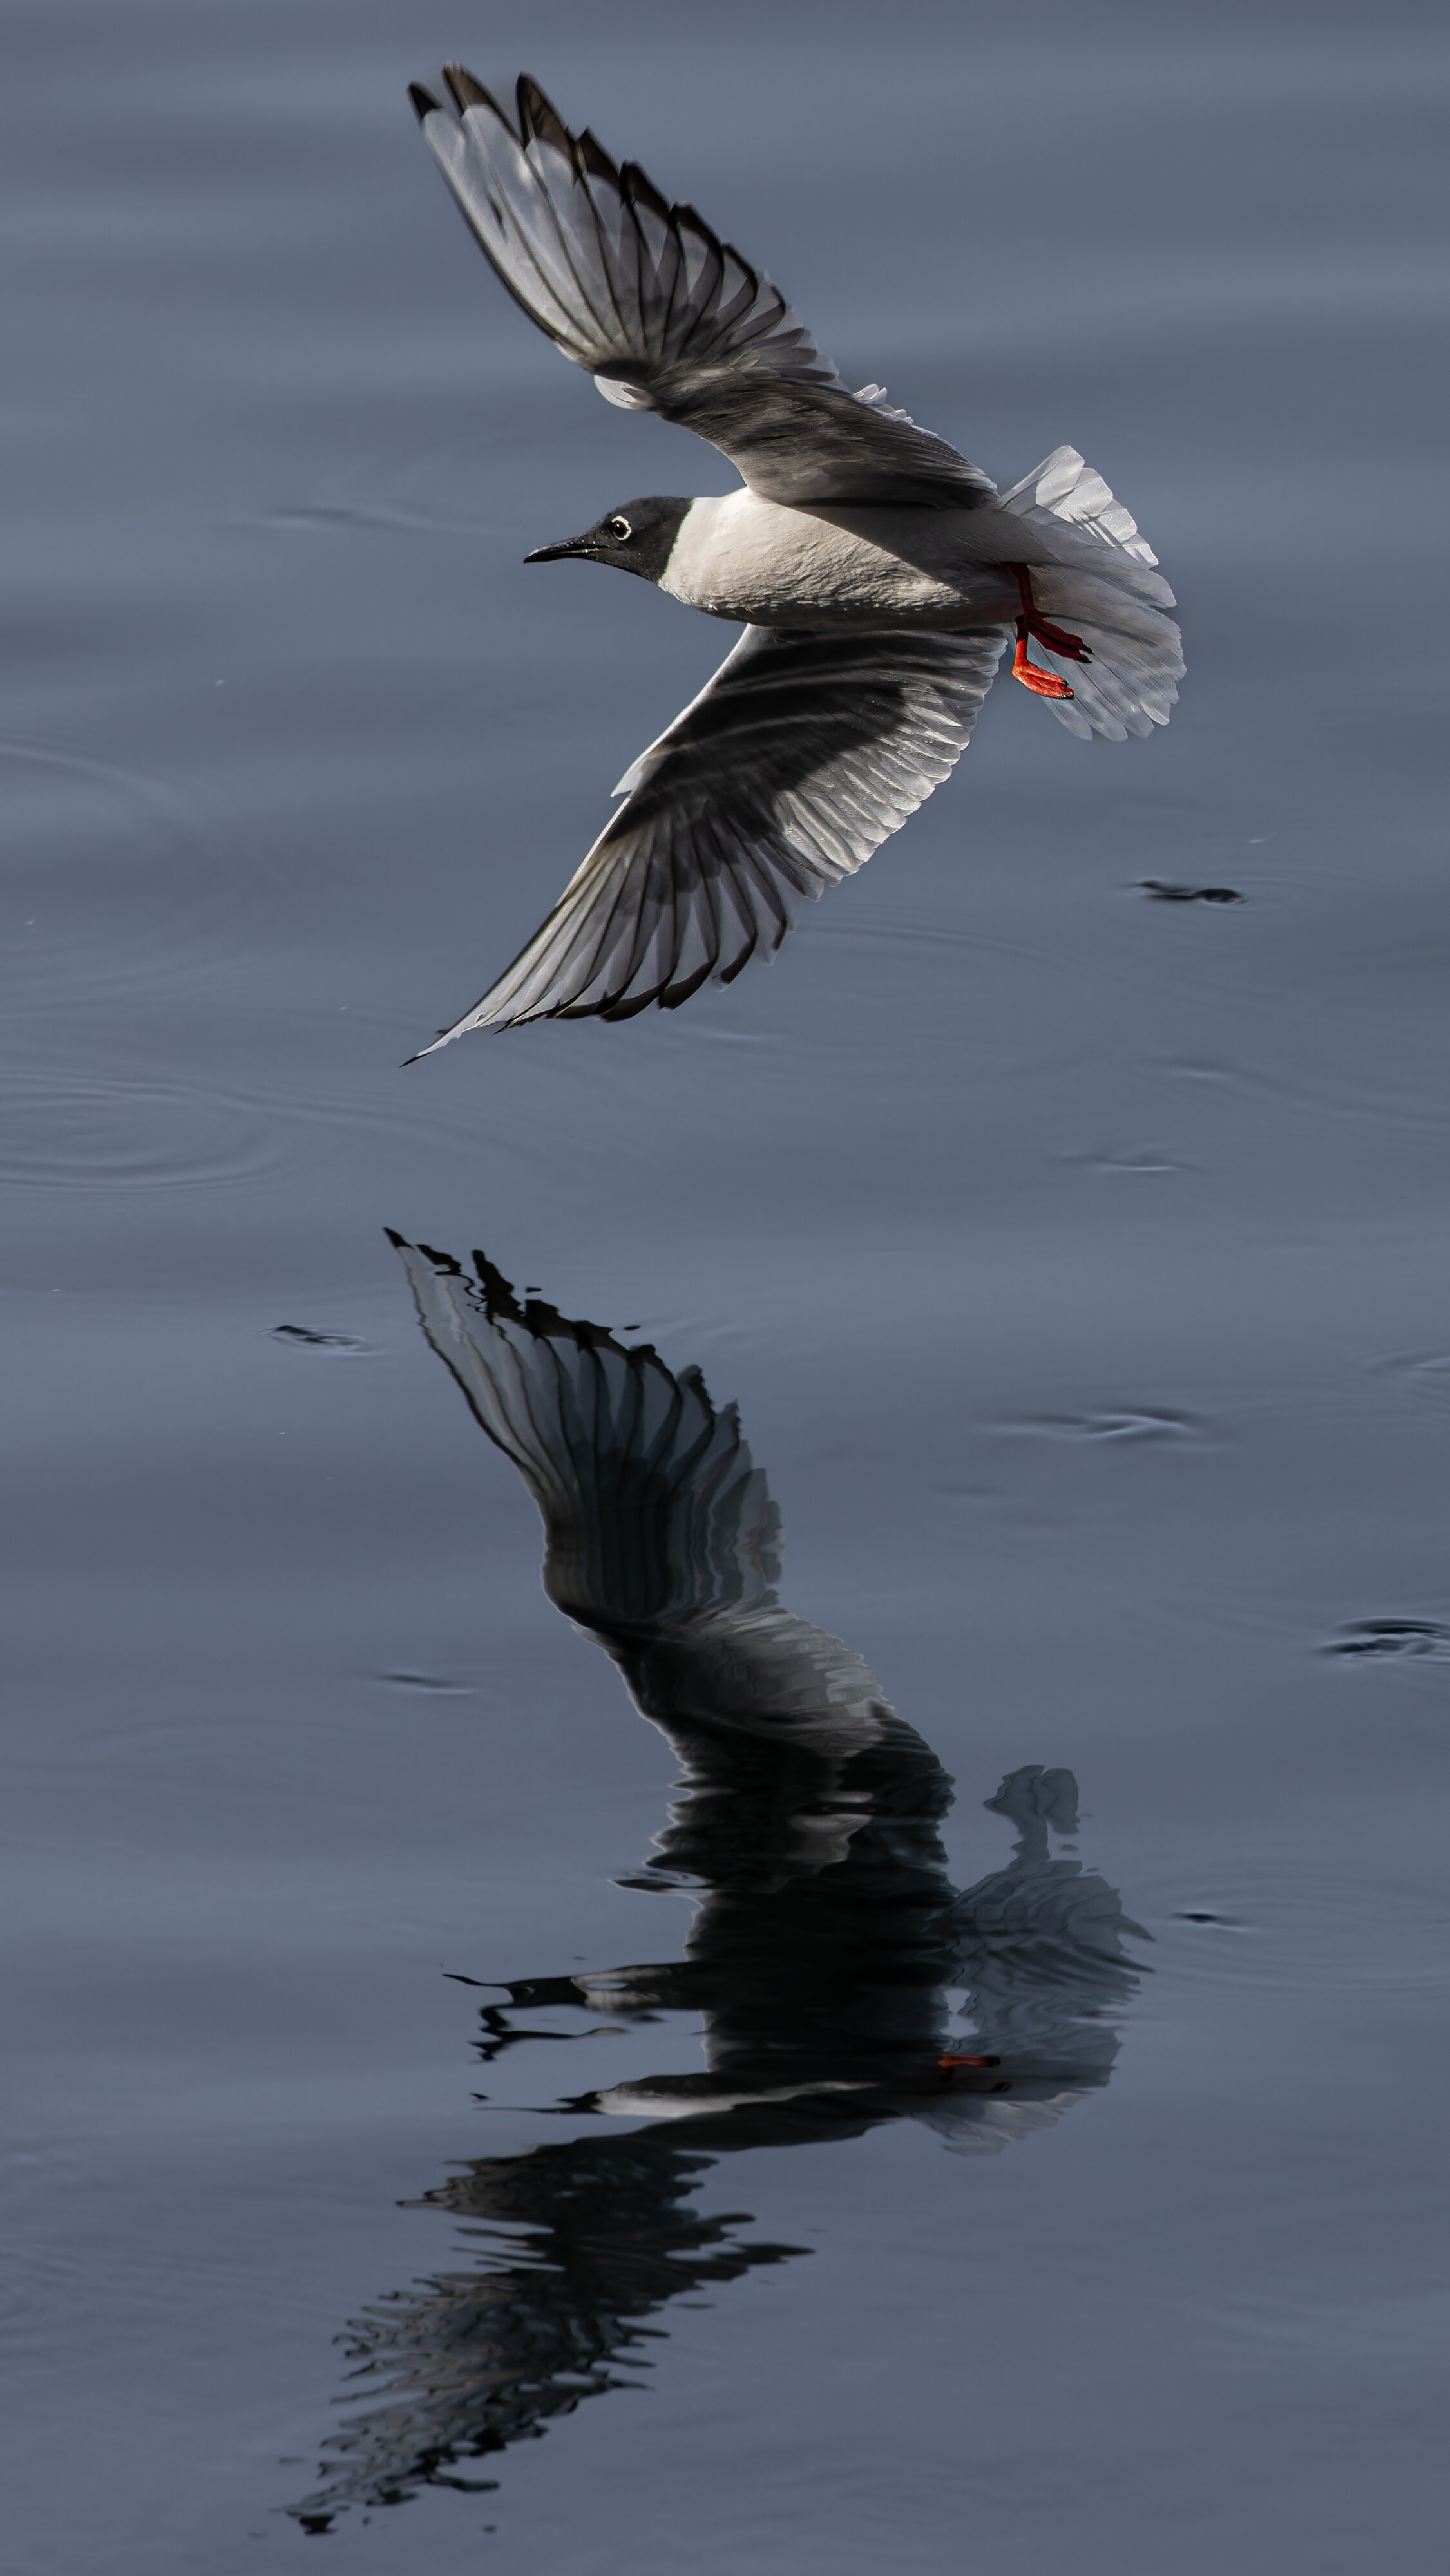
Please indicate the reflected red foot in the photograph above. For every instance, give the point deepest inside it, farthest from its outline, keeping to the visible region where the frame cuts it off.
(954, 2058)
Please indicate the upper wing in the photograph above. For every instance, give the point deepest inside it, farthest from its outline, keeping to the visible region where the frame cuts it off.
(668, 319)
(795, 762)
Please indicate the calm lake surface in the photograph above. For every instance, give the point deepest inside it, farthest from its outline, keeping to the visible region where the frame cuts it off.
(1079, 1261)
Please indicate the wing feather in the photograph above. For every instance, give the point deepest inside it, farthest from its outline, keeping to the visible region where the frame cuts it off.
(668, 318)
(661, 1536)
(798, 760)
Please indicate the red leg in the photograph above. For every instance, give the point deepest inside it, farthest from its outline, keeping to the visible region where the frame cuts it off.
(1043, 684)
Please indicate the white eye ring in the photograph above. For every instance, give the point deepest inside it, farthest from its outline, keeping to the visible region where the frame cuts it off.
(620, 528)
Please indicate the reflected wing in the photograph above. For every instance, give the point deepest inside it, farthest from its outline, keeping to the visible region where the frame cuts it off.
(668, 319)
(661, 1536)
(590, 2239)
(652, 1504)
(796, 761)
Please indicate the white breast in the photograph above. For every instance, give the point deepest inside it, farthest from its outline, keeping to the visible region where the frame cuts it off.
(764, 565)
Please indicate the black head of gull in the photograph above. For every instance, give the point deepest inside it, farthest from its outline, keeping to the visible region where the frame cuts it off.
(637, 537)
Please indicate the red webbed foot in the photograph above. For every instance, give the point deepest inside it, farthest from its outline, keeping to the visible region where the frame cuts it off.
(1031, 624)
(1043, 684)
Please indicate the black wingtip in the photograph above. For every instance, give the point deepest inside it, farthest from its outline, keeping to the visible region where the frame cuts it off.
(538, 117)
(639, 190)
(424, 102)
(592, 158)
(499, 1299)
(399, 1242)
(466, 90)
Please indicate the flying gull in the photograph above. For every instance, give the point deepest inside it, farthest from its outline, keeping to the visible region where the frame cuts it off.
(879, 578)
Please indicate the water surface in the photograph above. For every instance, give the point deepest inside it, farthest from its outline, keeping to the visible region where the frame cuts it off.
(1077, 1258)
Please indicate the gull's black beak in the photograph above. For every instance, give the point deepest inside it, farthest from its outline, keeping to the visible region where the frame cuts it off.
(555, 554)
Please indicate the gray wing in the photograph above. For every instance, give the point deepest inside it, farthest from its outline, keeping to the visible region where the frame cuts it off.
(667, 318)
(652, 1505)
(661, 1537)
(800, 757)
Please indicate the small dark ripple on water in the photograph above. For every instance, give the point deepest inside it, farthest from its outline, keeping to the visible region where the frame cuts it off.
(1281, 1921)
(439, 1685)
(1168, 893)
(301, 1337)
(1104, 1427)
(1388, 1638)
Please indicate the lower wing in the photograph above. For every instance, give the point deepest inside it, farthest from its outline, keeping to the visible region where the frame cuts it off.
(800, 757)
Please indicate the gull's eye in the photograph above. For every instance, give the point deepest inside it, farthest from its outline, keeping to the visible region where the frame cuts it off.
(620, 528)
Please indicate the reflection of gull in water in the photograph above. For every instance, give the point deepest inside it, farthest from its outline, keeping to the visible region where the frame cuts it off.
(827, 1937)
(877, 575)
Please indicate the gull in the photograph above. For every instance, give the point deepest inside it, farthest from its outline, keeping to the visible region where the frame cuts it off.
(878, 575)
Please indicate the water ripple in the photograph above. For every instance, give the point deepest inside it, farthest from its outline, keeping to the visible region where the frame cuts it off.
(447, 486)
(110, 885)
(1285, 1922)
(89, 1131)
(1106, 1426)
(1423, 1373)
(1393, 1638)
(302, 1337)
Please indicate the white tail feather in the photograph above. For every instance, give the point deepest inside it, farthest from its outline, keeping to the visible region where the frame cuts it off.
(1116, 609)
(1131, 683)
(1073, 490)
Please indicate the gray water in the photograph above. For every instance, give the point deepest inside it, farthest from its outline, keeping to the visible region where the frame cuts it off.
(1077, 1259)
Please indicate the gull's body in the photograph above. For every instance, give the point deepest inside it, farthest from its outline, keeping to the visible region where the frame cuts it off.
(879, 577)
(762, 564)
